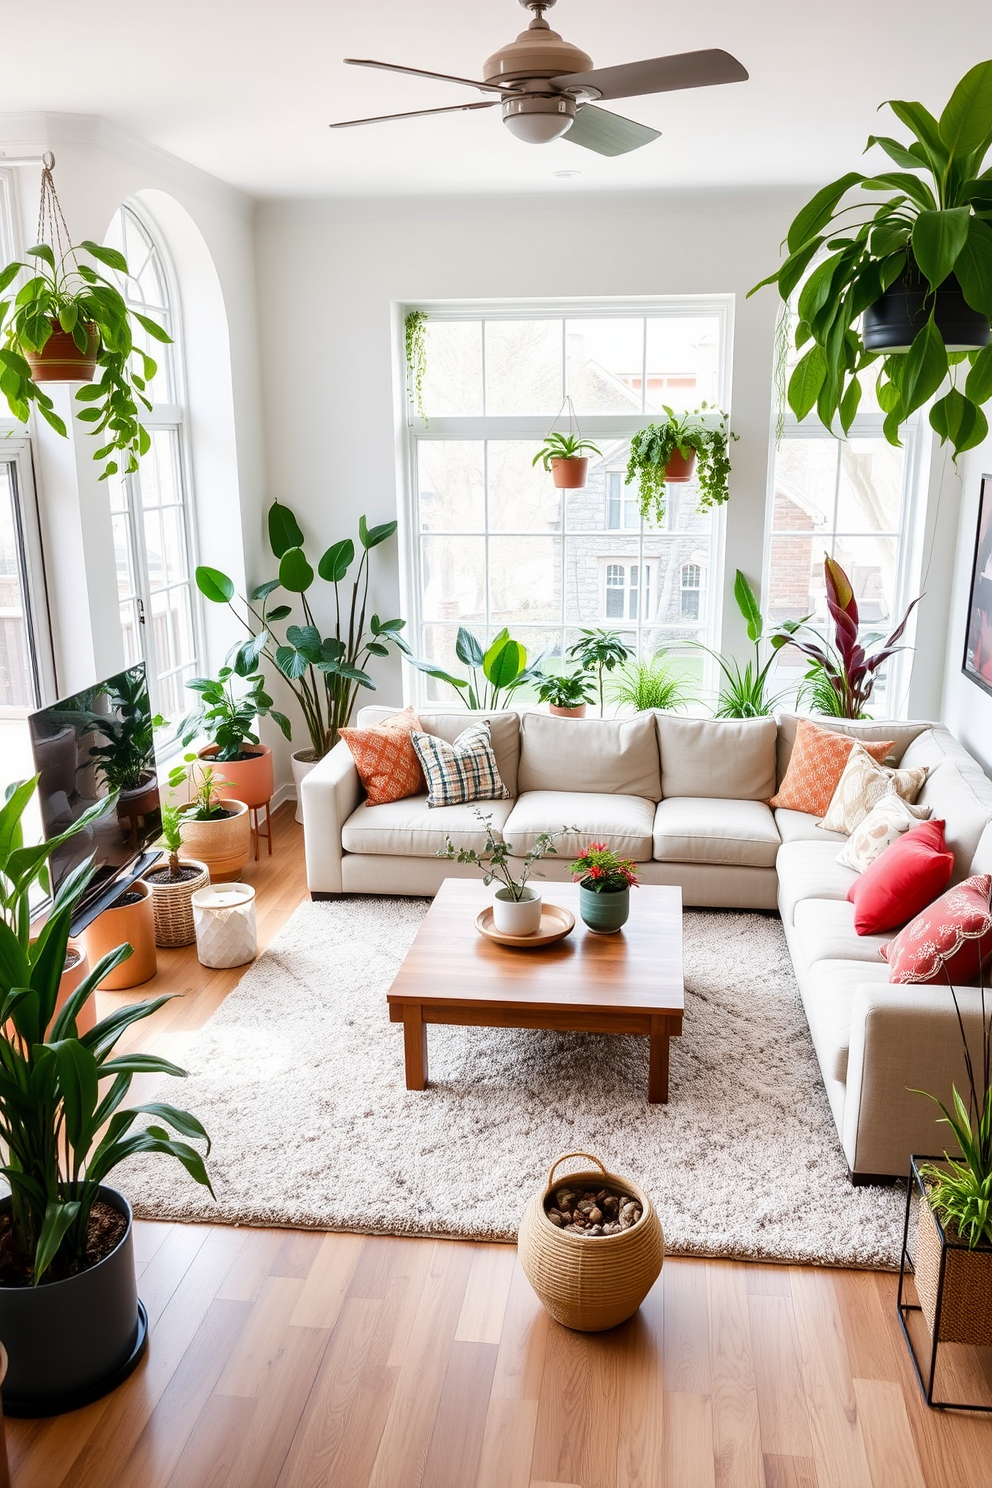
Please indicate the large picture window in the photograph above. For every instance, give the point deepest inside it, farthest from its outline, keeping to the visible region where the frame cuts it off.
(492, 542)
(151, 509)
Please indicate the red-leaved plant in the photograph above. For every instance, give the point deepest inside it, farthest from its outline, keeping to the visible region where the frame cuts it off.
(844, 672)
(600, 869)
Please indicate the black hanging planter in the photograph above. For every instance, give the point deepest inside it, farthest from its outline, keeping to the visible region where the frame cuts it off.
(891, 324)
(69, 1342)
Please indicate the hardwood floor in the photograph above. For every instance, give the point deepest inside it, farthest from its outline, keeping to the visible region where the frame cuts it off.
(285, 1359)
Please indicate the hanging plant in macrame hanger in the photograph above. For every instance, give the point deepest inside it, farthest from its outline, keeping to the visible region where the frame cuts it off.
(566, 455)
(68, 322)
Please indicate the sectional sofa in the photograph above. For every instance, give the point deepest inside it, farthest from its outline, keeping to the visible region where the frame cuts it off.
(687, 799)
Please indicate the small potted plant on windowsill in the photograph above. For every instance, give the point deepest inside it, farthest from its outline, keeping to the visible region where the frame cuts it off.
(215, 832)
(567, 458)
(173, 884)
(567, 695)
(228, 719)
(599, 652)
(604, 883)
(692, 443)
(517, 905)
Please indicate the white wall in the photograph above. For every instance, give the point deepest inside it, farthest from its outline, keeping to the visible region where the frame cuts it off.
(329, 350)
(967, 709)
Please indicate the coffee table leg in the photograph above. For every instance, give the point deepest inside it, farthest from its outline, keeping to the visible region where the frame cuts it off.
(658, 1062)
(414, 1046)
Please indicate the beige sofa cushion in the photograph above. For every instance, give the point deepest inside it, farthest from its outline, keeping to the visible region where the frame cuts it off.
(799, 826)
(824, 931)
(957, 790)
(898, 730)
(411, 829)
(504, 730)
(615, 755)
(732, 758)
(695, 829)
(809, 870)
(828, 999)
(623, 822)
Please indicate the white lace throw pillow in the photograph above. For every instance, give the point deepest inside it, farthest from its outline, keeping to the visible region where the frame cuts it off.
(862, 785)
(884, 823)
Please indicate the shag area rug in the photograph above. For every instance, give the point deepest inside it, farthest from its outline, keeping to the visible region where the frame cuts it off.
(299, 1080)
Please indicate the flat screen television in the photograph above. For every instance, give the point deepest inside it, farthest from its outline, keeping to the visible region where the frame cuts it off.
(85, 748)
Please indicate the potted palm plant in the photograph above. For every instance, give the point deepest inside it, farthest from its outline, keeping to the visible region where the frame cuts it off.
(70, 323)
(173, 884)
(227, 714)
(599, 651)
(567, 458)
(693, 443)
(69, 1313)
(567, 694)
(215, 832)
(904, 277)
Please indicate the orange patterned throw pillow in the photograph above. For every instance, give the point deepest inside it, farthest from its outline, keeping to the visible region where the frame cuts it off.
(385, 758)
(816, 765)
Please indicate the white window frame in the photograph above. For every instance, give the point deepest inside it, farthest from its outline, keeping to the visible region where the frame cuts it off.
(597, 427)
(16, 452)
(172, 418)
(868, 425)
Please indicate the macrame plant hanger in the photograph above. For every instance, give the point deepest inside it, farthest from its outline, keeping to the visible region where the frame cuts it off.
(52, 227)
(62, 358)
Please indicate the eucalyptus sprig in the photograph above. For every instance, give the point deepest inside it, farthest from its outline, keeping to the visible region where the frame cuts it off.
(494, 860)
(71, 295)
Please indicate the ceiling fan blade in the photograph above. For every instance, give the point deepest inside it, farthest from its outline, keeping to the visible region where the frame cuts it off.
(445, 77)
(453, 108)
(658, 75)
(608, 134)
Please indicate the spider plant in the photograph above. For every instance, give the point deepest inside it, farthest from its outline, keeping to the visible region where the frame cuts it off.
(564, 447)
(651, 682)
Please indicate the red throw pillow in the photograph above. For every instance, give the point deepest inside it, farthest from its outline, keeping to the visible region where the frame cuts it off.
(954, 932)
(902, 881)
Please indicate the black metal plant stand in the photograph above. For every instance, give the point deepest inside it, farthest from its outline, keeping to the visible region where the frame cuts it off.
(926, 1373)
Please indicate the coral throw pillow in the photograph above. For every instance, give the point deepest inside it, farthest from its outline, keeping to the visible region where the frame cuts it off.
(816, 765)
(862, 785)
(953, 933)
(385, 758)
(880, 828)
(902, 881)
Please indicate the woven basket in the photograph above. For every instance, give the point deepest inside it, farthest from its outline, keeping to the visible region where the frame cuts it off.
(173, 911)
(966, 1304)
(590, 1284)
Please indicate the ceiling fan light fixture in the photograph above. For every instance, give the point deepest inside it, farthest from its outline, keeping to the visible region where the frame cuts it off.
(537, 120)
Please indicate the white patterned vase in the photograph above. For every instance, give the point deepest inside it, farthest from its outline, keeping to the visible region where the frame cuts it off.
(224, 915)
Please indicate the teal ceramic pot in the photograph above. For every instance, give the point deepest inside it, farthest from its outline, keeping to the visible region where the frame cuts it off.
(604, 912)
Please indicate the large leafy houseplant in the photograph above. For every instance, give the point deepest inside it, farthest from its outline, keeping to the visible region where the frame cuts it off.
(704, 432)
(227, 714)
(744, 689)
(63, 1123)
(324, 671)
(67, 294)
(503, 665)
(925, 229)
(846, 667)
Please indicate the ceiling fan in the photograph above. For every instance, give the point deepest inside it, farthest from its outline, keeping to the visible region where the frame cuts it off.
(546, 88)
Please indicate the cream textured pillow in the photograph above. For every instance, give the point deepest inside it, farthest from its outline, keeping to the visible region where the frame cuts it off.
(884, 823)
(862, 785)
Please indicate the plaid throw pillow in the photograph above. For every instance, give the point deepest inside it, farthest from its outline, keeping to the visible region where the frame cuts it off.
(462, 771)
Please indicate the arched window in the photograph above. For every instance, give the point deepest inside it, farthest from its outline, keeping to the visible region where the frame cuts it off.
(692, 583)
(152, 511)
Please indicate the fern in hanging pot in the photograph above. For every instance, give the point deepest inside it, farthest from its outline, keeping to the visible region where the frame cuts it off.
(674, 451)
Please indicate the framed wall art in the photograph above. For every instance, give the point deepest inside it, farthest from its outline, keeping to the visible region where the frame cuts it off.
(978, 637)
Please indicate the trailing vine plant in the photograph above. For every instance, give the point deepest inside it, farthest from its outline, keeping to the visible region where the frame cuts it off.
(652, 449)
(415, 328)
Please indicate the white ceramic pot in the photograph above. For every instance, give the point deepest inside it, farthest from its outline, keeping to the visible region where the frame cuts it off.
(517, 916)
(303, 762)
(225, 924)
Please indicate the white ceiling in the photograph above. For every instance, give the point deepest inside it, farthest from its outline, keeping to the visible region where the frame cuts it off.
(245, 89)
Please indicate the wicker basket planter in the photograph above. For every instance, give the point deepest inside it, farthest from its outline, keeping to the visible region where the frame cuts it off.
(966, 1301)
(174, 925)
(223, 845)
(591, 1284)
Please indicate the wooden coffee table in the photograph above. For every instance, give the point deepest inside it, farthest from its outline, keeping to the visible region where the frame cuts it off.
(587, 983)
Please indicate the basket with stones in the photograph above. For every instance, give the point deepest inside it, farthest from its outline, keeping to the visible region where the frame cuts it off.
(591, 1246)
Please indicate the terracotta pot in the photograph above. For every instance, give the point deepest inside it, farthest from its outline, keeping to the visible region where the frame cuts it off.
(250, 779)
(174, 925)
(133, 924)
(224, 845)
(61, 359)
(569, 475)
(303, 761)
(579, 711)
(680, 468)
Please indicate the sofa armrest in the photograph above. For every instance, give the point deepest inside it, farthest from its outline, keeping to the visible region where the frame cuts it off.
(331, 792)
(904, 1038)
